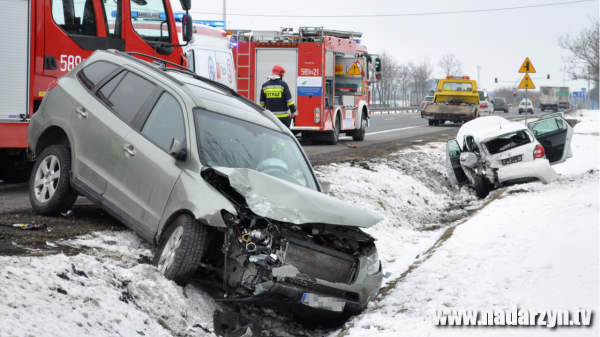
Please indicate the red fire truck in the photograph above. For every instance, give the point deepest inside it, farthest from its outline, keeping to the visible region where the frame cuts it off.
(328, 72)
(44, 39)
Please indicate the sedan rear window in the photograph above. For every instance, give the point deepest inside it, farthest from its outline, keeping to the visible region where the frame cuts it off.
(508, 141)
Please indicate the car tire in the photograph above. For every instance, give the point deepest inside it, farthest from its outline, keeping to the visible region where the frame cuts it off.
(436, 122)
(359, 135)
(430, 121)
(335, 134)
(14, 169)
(442, 121)
(181, 248)
(50, 191)
(506, 111)
(481, 187)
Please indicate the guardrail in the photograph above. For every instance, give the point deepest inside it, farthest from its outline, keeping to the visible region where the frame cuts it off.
(394, 109)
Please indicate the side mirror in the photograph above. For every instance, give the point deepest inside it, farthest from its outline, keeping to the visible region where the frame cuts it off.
(188, 28)
(186, 5)
(325, 184)
(176, 151)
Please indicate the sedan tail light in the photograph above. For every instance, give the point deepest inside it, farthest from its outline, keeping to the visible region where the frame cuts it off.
(483, 106)
(52, 85)
(539, 152)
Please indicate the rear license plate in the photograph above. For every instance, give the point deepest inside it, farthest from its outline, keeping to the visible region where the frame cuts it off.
(323, 302)
(512, 160)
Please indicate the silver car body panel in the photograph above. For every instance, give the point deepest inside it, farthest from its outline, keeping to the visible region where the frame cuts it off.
(539, 168)
(280, 200)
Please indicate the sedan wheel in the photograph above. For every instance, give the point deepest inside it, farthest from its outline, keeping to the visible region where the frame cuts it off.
(50, 191)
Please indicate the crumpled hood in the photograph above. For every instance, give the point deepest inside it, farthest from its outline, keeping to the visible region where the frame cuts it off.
(280, 200)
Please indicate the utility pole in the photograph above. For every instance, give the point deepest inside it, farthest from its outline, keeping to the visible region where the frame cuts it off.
(225, 13)
(478, 79)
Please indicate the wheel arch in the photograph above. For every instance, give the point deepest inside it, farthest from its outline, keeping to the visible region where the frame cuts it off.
(364, 113)
(53, 135)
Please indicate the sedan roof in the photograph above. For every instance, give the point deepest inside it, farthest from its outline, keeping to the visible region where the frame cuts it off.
(484, 128)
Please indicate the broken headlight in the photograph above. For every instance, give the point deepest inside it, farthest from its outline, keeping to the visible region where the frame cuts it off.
(373, 262)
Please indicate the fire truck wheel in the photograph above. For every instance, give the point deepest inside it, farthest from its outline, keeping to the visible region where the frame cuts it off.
(14, 169)
(304, 135)
(335, 134)
(436, 122)
(359, 135)
(50, 190)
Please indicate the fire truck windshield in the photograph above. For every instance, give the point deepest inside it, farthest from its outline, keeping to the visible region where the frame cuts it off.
(230, 142)
(149, 19)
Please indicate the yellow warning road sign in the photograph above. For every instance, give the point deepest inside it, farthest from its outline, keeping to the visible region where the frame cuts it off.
(527, 67)
(526, 83)
(533, 98)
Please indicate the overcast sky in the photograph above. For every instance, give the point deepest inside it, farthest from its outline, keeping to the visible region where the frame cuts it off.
(498, 41)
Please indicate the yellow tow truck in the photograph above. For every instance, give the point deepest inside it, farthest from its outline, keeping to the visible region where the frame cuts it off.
(456, 100)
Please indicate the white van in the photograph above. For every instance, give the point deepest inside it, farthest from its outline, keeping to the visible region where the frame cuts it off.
(209, 54)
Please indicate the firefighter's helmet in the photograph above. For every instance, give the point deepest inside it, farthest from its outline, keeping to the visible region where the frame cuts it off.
(278, 70)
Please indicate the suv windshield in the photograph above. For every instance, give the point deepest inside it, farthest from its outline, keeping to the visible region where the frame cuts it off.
(231, 142)
(508, 141)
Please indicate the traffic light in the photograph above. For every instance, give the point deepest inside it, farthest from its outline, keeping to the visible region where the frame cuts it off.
(514, 94)
(496, 80)
(548, 76)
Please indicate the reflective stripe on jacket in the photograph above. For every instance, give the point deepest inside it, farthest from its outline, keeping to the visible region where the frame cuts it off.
(275, 96)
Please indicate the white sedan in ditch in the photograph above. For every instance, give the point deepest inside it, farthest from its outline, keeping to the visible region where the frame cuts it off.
(489, 152)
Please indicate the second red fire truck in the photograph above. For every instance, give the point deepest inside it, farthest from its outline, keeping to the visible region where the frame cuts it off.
(329, 73)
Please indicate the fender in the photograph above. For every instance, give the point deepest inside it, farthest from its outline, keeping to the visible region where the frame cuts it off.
(192, 194)
(329, 118)
(362, 104)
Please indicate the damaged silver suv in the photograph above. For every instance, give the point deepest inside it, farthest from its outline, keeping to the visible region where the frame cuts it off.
(216, 181)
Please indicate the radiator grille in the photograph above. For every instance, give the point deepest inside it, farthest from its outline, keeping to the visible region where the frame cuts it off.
(319, 265)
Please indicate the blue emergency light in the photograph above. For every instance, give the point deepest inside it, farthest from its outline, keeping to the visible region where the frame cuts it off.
(179, 16)
(211, 23)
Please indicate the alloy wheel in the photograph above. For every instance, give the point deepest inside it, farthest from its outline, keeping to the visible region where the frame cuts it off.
(47, 177)
(168, 254)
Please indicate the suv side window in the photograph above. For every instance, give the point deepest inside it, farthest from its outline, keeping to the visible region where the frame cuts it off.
(95, 72)
(75, 17)
(165, 122)
(130, 94)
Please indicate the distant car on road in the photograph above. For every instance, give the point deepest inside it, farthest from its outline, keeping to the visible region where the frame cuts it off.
(525, 106)
(490, 152)
(510, 105)
(486, 107)
(427, 99)
(500, 104)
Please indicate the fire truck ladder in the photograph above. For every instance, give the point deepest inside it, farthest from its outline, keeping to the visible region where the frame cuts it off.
(245, 65)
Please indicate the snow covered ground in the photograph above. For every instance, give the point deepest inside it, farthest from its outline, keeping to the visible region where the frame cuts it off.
(534, 246)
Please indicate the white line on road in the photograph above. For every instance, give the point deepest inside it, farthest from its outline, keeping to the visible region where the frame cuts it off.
(374, 133)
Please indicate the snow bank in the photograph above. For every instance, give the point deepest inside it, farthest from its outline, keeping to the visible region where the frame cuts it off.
(536, 246)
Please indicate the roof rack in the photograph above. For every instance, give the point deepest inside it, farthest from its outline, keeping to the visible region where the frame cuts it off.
(304, 34)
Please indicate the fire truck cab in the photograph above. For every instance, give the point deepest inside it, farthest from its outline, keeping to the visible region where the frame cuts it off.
(44, 39)
(328, 72)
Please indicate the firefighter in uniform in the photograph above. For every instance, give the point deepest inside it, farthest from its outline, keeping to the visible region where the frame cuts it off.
(275, 95)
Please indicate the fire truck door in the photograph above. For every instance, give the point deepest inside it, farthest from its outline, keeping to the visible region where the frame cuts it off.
(14, 82)
(76, 28)
(267, 58)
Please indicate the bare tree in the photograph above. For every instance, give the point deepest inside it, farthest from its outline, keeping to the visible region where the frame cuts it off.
(385, 90)
(421, 72)
(450, 65)
(404, 81)
(582, 63)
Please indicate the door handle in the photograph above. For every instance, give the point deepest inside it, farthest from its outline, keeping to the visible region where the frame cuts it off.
(82, 112)
(129, 149)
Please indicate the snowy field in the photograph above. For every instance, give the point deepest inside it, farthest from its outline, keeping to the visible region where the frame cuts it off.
(530, 245)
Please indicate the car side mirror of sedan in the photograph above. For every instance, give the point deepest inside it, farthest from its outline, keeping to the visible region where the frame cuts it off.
(176, 151)
(325, 184)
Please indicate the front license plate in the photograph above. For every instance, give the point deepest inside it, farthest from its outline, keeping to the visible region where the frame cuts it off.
(512, 160)
(323, 302)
